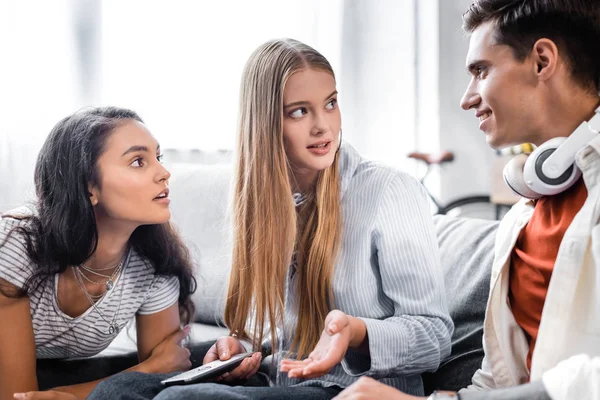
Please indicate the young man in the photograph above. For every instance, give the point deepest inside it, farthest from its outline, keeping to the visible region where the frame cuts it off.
(535, 67)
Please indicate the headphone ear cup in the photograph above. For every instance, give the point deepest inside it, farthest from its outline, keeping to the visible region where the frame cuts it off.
(513, 176)
(535, 178)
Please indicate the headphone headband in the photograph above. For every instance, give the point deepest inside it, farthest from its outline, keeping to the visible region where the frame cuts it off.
(551, 169)
(562, 158)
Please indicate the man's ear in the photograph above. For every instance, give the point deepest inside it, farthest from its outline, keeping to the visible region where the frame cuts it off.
(93, 192)
(545, 58)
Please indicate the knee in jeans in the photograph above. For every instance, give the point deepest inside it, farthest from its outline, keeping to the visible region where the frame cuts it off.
(119, 381)
(197, 391)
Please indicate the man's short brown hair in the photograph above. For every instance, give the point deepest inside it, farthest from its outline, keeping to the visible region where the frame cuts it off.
(574, 25)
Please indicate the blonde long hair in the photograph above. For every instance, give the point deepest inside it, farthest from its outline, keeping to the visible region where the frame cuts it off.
(267, 228)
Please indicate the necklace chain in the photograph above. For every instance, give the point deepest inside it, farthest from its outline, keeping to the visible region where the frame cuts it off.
(77, 273)
(95, 271)
(109, 282)
(112, 326)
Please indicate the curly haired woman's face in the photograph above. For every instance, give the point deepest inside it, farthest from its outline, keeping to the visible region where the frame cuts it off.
(311, 122)
(133, 182)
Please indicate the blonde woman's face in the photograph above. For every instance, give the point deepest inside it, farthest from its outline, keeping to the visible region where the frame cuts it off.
(311, 123)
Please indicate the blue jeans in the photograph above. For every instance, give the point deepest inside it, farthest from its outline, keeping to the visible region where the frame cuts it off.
(139, 386)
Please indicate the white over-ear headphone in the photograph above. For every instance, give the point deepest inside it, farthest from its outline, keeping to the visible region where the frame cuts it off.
(551, 168)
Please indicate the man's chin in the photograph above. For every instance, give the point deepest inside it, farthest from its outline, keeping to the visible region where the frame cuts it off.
(496, 142)
(491, 141)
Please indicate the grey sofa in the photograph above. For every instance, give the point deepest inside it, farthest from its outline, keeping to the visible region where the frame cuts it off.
(200, 203)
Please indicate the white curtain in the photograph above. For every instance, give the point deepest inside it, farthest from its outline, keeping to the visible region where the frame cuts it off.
(39, 78)
(178, 63)
(378, 88)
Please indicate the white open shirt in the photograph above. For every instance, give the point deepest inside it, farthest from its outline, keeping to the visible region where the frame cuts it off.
(567, 352)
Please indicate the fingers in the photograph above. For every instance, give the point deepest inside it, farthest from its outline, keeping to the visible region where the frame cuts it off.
(289, 364)
(228, 346)
(369, 388)
(318, 368)
(307, 368)
(33, 396)
(220, 377)
(181, 334)
(211, 355)
(296, 373)
(256, 359)
(47, 395)
(246, 369)
(303, 373)
(297, 368)
(223, 349)
(351, 392)
(241, 370)
(336, 321)
(333, 328)
(186, 363)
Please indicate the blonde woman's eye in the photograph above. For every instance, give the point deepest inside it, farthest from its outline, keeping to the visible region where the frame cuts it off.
(138, 162)
(331, 104)
(160, 158)
(298, 113)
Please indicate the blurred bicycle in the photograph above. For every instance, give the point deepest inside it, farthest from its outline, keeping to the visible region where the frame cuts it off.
(475, 206)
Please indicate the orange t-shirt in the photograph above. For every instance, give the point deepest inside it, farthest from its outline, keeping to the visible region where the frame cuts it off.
(534, 255)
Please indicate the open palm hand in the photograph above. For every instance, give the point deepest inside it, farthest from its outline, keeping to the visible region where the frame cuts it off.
(329, 351)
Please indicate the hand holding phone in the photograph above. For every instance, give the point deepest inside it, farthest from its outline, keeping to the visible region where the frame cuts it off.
(224, 348)
(206, 371)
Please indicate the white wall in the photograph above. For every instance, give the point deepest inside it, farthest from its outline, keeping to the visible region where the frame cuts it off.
(470, 173)
(377, 73)
(38, 81)
(377, 88)
(377, 39)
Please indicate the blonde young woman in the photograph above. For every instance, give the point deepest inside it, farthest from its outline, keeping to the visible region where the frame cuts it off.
(334, 257)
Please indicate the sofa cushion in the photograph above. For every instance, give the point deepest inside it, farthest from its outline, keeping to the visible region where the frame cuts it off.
(126, 340)
(200, 206)
(467, 254)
